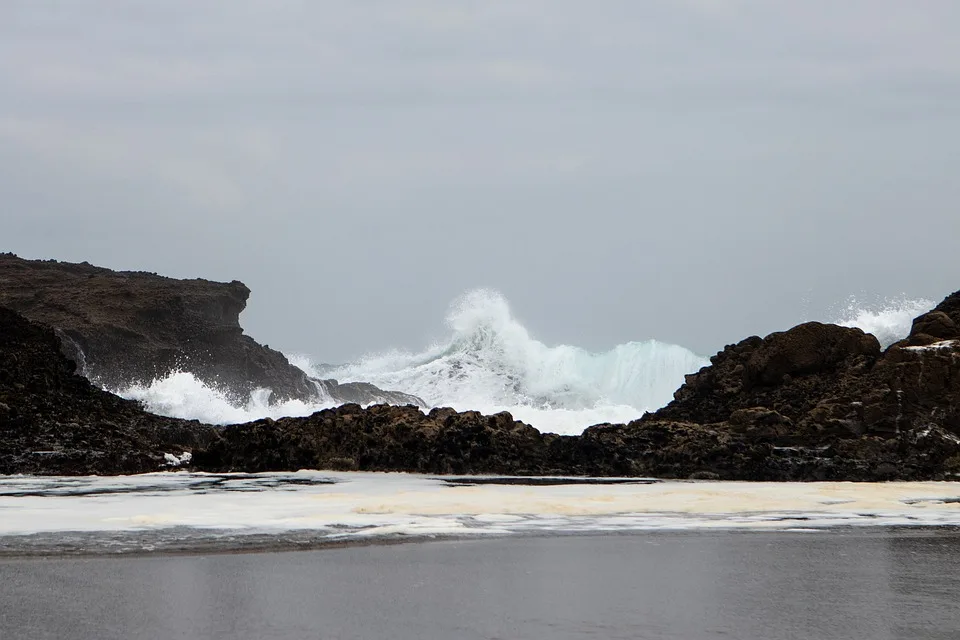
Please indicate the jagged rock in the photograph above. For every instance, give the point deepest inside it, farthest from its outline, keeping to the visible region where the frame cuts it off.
(381, 438)
(809, 348)
(133, 327)
(365, 393)
(787, 372)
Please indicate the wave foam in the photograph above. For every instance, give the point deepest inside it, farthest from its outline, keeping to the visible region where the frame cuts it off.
(889, 320)
(491, 363)
(177, 511)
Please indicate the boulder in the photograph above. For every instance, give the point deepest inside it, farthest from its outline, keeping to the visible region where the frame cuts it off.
(809, 348)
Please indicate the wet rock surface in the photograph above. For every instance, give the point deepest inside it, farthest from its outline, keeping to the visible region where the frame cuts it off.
(124, 327)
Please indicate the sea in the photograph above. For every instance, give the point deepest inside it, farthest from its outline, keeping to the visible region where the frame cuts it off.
(350, 555)
(490, 362)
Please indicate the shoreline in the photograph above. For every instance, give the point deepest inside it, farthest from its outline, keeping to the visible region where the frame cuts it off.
(902, 531)
(195, 513)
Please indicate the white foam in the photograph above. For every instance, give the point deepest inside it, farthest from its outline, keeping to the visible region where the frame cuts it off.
(491, 363)
(943, 345)
(890, 320)
(377, 505)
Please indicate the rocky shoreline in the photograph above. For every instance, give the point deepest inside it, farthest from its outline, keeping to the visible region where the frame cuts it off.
(816, 402)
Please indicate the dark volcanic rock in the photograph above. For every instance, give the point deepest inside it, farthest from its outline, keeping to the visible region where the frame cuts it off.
(55, 422)
(382, 438)
(787, 372)
(133, 327)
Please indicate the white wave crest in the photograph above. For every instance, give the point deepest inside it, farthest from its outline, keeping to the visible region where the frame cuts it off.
(491, 363)
(889, 320)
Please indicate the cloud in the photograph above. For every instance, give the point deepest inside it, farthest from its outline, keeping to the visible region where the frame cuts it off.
(606, 151)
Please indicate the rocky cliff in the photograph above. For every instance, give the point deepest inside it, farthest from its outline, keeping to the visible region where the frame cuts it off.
(132, 327)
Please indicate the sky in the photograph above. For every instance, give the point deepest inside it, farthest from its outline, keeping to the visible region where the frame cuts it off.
(693, 171)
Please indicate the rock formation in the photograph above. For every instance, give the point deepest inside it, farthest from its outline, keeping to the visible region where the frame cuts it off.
(815, 402)
(133, 327)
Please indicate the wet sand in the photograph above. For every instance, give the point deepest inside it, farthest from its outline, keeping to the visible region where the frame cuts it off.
(882, 584)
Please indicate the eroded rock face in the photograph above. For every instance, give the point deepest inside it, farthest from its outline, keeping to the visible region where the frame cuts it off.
(133, 327)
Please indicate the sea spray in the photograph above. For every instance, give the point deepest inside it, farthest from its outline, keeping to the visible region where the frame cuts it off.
(889, 320)
(490, 363)
(180, 394)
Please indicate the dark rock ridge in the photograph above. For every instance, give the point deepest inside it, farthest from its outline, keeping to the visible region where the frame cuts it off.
(817, 402)
(133, 327)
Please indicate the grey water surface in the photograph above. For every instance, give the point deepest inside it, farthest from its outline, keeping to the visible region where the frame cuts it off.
(876, 584)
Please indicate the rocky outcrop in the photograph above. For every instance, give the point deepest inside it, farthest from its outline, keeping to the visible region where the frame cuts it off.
(133, 327)
(364, 393)
(383, 438)
(787, 372)
(816, 402)
(55, 422)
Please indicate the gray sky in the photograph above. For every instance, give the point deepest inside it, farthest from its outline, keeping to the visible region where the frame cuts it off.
(689, 170)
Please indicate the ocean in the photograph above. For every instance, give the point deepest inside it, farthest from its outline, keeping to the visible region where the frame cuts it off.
(490, 362)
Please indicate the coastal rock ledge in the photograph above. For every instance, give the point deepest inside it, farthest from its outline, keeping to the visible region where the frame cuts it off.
(816, 402)
(125, 327)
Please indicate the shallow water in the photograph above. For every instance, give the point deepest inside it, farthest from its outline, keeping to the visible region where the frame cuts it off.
(881, 584)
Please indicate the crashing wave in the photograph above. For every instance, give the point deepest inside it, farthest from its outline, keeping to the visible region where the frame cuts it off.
(491, 363)
(889, 320)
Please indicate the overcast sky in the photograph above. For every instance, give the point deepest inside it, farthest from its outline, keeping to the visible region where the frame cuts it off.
(689, 170)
